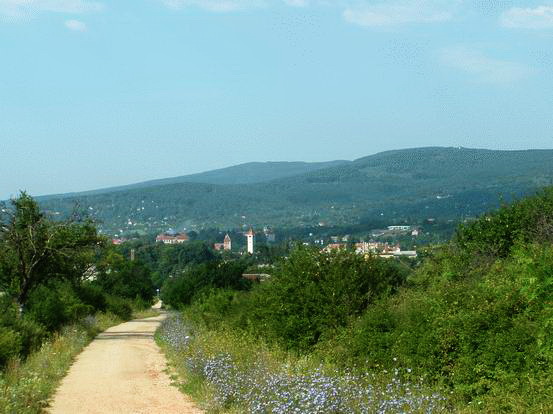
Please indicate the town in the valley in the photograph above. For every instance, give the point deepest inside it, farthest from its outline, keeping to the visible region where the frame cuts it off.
(247, 241)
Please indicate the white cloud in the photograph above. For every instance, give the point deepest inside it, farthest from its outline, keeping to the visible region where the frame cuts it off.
(214, 5)
(540, 17)
(394, 13)
(30, 8)
(76, 25)
(484, 68)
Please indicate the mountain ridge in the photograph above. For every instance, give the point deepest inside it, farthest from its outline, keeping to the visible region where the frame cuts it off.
(235, 174)
(401, 185)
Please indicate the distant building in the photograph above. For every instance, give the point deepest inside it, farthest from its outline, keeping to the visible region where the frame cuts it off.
(399, 228)
(226, 245)
(269, 234)
(383, 250)
(378, 232)
(335, 246)
(256, 277)
(412, 254)
(172, 239)
(250, 236)
(376, 247)
(118, 241)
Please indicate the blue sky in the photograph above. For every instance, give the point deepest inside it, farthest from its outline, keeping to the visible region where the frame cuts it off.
(101, 93)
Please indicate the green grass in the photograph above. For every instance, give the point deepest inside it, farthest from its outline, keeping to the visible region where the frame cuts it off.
(26, 386)
(146, 313)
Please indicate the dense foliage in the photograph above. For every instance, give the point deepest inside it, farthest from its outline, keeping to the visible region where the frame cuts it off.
(475, 317)
(311, 294)
(198, 280)
(124, 278)
(54, 273)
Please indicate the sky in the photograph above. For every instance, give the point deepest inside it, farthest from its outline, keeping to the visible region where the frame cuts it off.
(98, 93)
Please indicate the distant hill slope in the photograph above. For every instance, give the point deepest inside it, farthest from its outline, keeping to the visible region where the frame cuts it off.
(248, 173)
(254, 172)
(398, 185)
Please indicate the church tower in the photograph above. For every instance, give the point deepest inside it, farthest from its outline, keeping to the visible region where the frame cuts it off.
(227, 243)
(250, 235)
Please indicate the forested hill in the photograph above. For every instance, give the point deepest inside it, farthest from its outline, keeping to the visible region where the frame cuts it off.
(248, 173)
(400, 185)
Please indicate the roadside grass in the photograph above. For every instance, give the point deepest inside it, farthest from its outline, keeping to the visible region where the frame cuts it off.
(26, 386)
(146, 313)
(229, 372)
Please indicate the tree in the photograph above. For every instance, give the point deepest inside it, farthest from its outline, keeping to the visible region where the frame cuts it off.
(128, 279)
(182, 289)
(35, 250)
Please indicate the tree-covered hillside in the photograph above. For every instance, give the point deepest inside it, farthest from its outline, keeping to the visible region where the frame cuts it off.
(248, 173)
(399, 185)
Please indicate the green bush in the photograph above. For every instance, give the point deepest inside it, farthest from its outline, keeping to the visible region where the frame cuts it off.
(119, 307)
(476, 334)
(212, 306)
(46, 307)
(127, 279)
(32, 334)
(10, 345)
(92, 295)
(311, 294)
(494, 234)
(180, 291)
(60, 303)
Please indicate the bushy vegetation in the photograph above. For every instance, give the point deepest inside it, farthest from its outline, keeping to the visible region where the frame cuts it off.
(474, 320)
(311, 294)
(57, 273)
(199, 280)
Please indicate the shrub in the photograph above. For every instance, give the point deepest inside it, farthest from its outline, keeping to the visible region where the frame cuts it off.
(92, 295)
(125, 278)
(57, 304)
(212, 306)
(312, 294)
(119, 307)
(10, 345)
(495, 234)
(46, 307)
(181, 290)
(32, 334)
(476, 334)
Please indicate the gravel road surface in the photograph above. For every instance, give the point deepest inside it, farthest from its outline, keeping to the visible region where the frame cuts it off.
(121, 371)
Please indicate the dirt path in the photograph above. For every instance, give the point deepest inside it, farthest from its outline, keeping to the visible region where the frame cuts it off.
(121, 371)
